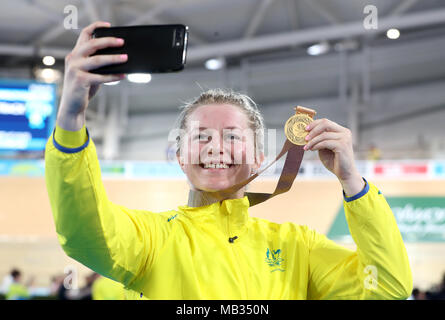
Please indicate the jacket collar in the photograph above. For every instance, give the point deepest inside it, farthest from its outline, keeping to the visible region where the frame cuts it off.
(228, 206)
(233, 210)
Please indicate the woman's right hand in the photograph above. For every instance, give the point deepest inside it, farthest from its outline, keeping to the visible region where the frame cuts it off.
(79, 84)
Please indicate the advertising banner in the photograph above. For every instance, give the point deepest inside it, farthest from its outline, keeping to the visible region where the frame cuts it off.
(420, 219)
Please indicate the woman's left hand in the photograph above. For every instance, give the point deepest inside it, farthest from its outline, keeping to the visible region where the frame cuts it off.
(334, 145)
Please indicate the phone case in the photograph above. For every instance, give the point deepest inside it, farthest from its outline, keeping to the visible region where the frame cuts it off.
(150, 49)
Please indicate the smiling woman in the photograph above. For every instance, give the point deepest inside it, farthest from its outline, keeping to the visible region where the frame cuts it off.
(216, 250)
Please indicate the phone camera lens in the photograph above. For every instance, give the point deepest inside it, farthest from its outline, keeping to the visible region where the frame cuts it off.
(179, 38)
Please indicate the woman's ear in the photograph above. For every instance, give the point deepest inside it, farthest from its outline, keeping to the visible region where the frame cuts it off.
(258, 161)
(180, 159)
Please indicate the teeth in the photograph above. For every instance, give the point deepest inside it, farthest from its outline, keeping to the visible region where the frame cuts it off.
(216, 166)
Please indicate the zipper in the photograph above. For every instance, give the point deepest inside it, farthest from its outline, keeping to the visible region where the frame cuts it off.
(234, 250)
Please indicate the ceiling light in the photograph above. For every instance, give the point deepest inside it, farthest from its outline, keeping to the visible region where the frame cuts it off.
(112, 83)
(48, 75)
(318, 48)
(48, 60)
(139, 77)
(393, 34)
(215, 63)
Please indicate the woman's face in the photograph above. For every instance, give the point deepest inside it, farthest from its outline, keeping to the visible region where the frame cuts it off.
(218, 148)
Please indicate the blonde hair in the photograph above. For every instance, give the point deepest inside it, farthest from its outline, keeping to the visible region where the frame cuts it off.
(225, 96)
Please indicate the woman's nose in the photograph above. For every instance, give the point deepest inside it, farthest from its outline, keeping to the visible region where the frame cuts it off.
(214, 149)
(214, 146)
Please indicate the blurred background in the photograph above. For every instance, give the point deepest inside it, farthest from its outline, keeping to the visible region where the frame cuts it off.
(386, 84)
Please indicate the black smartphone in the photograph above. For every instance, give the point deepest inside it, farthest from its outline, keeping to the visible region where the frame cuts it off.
(150, 48)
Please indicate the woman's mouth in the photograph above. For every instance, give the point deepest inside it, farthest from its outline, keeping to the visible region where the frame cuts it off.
(216, 166)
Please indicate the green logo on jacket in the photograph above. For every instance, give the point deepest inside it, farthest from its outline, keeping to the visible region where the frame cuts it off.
(172, 217)
(274, 260)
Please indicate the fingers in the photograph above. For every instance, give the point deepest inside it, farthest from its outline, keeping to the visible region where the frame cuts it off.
(79, 61)
(96, 79)
(91, 46)
(87, 32)
(326, 134)
(322, 137)
(102, 60)
(320, 125)
(333, 145)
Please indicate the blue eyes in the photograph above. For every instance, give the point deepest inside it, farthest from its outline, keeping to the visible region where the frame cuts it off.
(203, 137)
(232, 137)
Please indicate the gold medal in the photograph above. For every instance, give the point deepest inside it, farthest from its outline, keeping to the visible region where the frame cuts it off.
(295, 127)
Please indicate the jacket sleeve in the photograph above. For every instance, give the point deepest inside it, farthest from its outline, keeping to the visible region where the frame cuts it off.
(378, 269)
(112, 240)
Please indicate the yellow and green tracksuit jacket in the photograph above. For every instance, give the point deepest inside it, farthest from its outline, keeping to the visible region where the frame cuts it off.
(191, 253)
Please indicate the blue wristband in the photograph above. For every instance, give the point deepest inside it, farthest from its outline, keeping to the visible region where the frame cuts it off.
(358, 195)
(71, 150)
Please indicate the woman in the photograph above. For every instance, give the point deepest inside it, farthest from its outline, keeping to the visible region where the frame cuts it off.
(213, 249)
